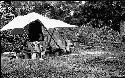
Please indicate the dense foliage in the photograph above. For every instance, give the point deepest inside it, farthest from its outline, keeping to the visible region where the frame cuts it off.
(13, 42)
(99, 17)
(98, 13)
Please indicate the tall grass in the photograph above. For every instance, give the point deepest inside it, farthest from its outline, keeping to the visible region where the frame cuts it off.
(65, 67)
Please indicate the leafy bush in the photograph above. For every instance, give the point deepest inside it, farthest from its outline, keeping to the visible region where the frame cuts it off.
(105, 38)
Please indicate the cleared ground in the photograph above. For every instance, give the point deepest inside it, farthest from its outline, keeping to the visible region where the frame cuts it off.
(87, 64)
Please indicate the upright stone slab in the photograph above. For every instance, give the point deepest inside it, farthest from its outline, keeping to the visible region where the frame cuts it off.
(34, 55)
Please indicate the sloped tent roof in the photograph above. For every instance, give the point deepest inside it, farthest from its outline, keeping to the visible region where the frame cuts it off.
(36, 24)
(67, 32)
(63, 34)
(22, 21)
(18, 31)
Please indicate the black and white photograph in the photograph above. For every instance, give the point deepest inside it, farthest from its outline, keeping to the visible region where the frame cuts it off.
(62, 39)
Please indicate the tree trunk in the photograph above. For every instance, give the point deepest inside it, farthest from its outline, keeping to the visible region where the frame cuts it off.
(122, 30)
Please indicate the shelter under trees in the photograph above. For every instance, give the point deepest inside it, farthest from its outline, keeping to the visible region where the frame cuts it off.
(98, 14)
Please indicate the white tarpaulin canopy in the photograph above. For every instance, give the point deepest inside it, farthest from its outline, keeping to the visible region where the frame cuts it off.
(22, 21)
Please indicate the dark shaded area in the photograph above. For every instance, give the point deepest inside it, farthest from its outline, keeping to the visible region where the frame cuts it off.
(35, 29)
(123, 39)
(51, 52)
(18, 31)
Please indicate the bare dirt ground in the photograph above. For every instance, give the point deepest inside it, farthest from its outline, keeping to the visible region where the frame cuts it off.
(88, 64)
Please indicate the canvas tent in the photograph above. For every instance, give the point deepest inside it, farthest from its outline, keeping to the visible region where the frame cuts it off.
(22, 21)
(33, 24)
